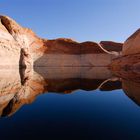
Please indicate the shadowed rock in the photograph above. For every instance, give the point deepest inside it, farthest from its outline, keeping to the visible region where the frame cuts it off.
(112, 46)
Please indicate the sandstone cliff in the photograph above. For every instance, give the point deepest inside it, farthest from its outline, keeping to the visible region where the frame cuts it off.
(132, 44)
(130, 54)
(25, 49)
(20, 45)
(66, 52)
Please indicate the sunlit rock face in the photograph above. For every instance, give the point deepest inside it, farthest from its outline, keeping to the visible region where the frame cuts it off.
(132, 44)
(10, 51)
(66, 52)
(26, 49)
(130, 54)
(129, 62)
(19, 46)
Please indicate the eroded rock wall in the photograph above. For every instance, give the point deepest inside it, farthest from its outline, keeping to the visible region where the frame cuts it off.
(22, 47)
(130, 58)
(9, 49)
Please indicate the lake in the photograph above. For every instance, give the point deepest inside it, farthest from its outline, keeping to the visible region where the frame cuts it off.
(89, 103)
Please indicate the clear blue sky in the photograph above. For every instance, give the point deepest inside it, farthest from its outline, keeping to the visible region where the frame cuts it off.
(80, 20)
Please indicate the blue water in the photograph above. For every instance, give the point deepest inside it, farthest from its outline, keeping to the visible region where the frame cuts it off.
(88, 115)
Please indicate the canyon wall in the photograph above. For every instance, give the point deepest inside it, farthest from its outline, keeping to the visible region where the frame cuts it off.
(130, 59)
(22, 47)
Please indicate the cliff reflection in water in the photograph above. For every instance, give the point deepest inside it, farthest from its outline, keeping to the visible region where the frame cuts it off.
(19, 87)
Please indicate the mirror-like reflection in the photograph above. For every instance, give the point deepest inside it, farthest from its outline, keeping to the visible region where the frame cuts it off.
(19, 87)
(130, 79)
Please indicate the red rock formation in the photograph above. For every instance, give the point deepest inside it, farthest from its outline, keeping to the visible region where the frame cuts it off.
(66, 52)
(132, 44)
(13, 37)
(112, 46)
(130, 55)
(68, 46)
(130, 62)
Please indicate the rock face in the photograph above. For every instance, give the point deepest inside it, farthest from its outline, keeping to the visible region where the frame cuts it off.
(132, 44)
(66, 52)
(68, 46)
(112, 46)
(14, 40)
(26, 49)
(10, 51)
(130, 54)
(130, 62)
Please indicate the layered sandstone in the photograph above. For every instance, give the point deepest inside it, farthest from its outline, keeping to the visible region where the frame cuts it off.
(10, 51)
(130, 54)
(25, 49)
(132, 44)
(19, 46)
(66, 52)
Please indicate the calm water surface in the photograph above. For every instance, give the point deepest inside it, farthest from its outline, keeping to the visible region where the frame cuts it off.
(92, 106)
